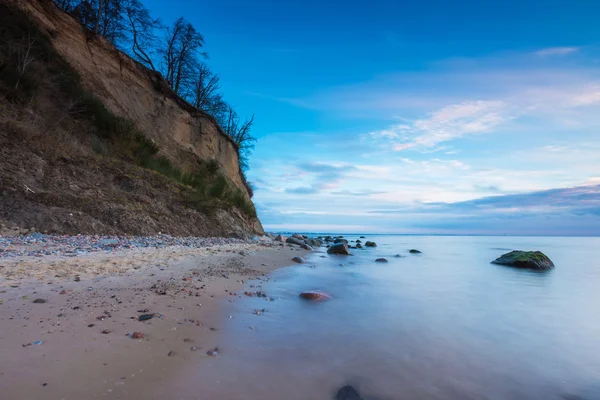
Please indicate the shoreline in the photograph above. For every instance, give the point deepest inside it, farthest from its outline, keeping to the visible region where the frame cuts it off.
(90, 306)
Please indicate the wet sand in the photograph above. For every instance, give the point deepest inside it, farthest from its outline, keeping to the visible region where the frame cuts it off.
(91, 308)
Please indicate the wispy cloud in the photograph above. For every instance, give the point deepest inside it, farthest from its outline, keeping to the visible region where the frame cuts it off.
(556, 51)
(448, 123)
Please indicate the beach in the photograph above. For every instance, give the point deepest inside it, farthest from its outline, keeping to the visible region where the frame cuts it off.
(71, 325)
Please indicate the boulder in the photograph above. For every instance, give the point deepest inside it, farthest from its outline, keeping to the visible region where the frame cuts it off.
(359, 246)
(525, 259)
(381, 260)
(298, 236)
(340, 240)
(414, 251)
(280, 238)
(370, 244)
(398, 256)
(328, 238)
(362, 237)
(299, 260)
(313, 242)
(340, 248)
(306, 247)
(348, 393)
(359, 241)
(315, 296)
(293, 240)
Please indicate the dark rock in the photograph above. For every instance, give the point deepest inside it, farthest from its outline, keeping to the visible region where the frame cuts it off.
(299, 260)
(398, 256)
(293, 240)
(137, 335)
(340, 240)
(359, 246)
(370, 244)
(381, 260)
(348, 393)
(306, 247)
(145, 317)
(313, 242)
(298, 236)
(328, 238)
(106, 331)
(414, 251)
(280, 238)
(39, 301)
(315, 296)
(362, 237)
(359, 241)
(525, 259)
(340, 248)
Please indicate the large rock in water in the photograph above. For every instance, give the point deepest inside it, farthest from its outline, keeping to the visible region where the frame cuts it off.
(370, 244)
(294, 240)
(340, 248)
(340, 240)
(298, 236)
(525, 259)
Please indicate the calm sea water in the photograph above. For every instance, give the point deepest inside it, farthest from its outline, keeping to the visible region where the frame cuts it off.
(445, 324)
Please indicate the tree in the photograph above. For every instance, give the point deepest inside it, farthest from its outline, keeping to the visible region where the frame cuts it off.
(142, 28)
(205, 89)
(240, 133)
(180, 54)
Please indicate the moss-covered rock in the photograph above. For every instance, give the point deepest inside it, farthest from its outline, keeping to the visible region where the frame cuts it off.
(525, 259)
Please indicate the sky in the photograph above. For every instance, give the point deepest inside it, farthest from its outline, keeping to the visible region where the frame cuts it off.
(424, 117)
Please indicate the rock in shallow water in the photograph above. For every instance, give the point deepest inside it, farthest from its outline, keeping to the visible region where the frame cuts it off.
(525, 259)
(315, 296)
(370, 244)
(381, 260)
(340, 248)
(415, 251)
(299, 260)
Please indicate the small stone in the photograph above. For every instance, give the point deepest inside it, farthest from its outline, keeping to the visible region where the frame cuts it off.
(39, 301)
(106, 331)
(171, 353)
(315, 296)
(381, 260)
(415, 251)
(299, 260)
(137, 335)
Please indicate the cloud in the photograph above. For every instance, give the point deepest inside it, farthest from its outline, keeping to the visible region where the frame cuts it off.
(450, 122)
(323, 176)
(556, 51)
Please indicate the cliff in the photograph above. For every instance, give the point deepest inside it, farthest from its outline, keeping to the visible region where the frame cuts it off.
(93, 142)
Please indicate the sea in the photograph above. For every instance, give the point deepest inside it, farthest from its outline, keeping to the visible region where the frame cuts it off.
(443, 324)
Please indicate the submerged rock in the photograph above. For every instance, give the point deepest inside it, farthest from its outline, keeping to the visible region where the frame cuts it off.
(381, 260)
(299, 260)
(340, 248)
(525, 259)
(348, 393)
(340, 240)
(359, 246)
(414, 251)
(370, 244)
(315, 296)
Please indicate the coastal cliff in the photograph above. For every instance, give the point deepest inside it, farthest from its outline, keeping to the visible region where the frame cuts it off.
(93, 142)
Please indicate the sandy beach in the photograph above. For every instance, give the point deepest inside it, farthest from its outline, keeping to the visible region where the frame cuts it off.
(71, 325)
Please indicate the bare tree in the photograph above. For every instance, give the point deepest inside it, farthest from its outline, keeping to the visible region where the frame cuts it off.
(240, 133)
(180, 54)
(25, 55)
(142, 29)
(204, 88)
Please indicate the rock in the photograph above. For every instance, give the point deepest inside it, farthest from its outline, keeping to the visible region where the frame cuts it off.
(340, 248)
(39, 301)
(525, 259)
(359, 241)
(299, 260)
(313, 242)
(306, 247)
(293, 240)
(340, 240)
(362, 237)
(381, 260)
(145, 317)
(328, 238)
(298, 236)
(280, 238)
(315, 296)
(414, 251)
(398, 256)
(106, 331)
(137, 335)
(359, 246)
(347, 393)
(370, 244)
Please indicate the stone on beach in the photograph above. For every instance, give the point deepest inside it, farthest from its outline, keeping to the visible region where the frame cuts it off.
(535, 260)
(313, 242)
(340, 248)
(306, 247)
(299, 260)
(298, 236)
(315, 296)
(293, 240)
(280, 238)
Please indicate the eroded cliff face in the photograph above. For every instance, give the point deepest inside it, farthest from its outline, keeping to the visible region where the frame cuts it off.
(111, 196)
(130, 91)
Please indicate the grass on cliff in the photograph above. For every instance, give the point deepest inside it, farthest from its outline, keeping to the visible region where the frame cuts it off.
(30, 69)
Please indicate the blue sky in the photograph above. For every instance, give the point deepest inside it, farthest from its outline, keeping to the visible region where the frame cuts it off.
(434, 116)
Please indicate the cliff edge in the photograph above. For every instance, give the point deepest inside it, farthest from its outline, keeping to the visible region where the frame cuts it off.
(93, 142)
